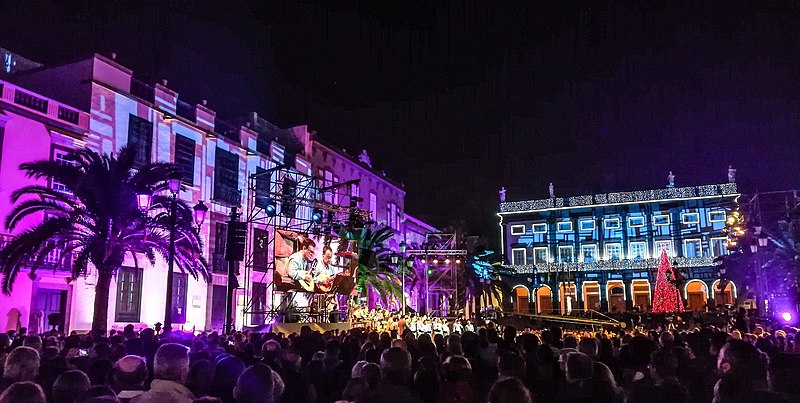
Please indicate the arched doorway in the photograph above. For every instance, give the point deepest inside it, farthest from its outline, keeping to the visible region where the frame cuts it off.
(726, 297)
(696, 293)
(616, 296)
(544, 299)
(521, 299)
(591, 295)
(641, 294)
(567, 298)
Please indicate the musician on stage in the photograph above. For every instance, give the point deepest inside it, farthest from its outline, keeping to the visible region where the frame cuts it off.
(327, 258)
(298, 261)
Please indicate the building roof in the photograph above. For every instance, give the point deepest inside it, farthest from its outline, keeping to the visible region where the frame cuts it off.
(603, 199)
(378, 174)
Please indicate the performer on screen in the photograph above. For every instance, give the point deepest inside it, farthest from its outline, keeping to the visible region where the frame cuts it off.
(327, 258)
(298, 262)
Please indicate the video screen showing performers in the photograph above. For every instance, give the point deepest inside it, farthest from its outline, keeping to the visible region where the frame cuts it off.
(316, 264)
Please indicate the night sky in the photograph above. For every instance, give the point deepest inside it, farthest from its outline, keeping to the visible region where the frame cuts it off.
(458, 98)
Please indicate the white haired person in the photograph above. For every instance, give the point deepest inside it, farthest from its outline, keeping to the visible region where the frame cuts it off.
(170, 370)
(21, 365)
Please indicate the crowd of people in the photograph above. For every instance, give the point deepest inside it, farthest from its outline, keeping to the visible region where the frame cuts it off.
(489, 363)
(393, 322)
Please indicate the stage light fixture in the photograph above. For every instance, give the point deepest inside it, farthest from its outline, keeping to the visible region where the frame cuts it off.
(435, 261)
(787, 316)
(271, 207)
(458, 261)
(447, 261)
(316, 216)
(430, 271)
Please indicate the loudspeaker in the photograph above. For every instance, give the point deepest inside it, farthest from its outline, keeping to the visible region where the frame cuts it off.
(237, 237)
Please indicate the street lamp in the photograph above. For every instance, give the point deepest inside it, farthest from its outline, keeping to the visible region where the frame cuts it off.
(403, 247)
(200, 210)
(174, 186)
(761, 242)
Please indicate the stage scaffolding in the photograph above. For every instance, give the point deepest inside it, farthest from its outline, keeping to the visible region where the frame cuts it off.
(441, 286)
(295, 196)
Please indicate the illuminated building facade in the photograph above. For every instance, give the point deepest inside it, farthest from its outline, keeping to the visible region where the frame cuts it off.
(47, 111)
(601, 251)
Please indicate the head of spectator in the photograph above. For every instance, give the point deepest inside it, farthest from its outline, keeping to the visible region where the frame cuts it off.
(371, 373)
(579, 368)
(395, 366)
(99, 370)
(511, 365)
(739, 357)
(570, 342)
(69, 385)
(784, 374)
(270, 352)
(291, 360)
(254, 385)
(666, 339)
(129, 373)
(355, 390)
(97, 394)
(27, 392)
(34, 342)
(663, 365)
(171, 363)
(589, 346)
(22, 364)
(453, 344)
(200, 377)
(456, 369)
(509, 390)
(226, 373)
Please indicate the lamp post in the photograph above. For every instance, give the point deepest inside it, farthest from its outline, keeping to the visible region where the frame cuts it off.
(403, 247)
(761, 242)
(174, 185)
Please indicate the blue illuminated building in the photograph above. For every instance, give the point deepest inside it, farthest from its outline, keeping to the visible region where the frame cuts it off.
(602, 251)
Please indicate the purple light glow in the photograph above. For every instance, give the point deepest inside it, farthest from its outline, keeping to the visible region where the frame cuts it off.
(786, 316)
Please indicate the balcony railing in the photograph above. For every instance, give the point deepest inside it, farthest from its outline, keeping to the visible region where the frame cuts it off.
(613, 265)
(11, 94)
(53, 261)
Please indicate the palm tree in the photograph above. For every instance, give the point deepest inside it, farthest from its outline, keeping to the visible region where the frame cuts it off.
(377, 275)
(782, 271)
(483, 277)
(98, 221)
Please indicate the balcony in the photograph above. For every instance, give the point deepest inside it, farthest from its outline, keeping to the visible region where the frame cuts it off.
(53, 260)
(40, 105)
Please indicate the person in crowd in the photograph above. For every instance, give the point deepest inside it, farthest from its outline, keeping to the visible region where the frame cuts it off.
(395, 384)
(22, 364)
(128, 377)
(509, 390)
(26, 391)
(69, 385)
(255, 385)
(170, 370)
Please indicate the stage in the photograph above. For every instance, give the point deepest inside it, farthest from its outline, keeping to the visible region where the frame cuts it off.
(289, 328)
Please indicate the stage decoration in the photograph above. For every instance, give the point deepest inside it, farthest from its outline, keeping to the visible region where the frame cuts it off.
(666, 297)
(621, 197)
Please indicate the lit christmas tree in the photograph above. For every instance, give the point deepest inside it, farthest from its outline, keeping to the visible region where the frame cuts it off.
(667, 298)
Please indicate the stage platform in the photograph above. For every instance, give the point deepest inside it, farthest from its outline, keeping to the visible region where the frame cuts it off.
(289, 328)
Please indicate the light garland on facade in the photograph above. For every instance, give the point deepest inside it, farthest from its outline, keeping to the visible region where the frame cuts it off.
(621, 197)
(611, 265)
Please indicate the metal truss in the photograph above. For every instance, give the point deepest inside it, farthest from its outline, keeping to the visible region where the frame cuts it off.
(295, 196)
(442, 283)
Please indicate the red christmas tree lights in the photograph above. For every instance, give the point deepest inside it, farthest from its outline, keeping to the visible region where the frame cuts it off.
(667, 298)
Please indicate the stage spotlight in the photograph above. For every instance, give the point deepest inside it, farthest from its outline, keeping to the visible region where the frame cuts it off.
(316, 216)
(787, 316)
(458, 261)
(271, 207)
(447, 261)
(435, 261)
(423, 261)
(430, 271)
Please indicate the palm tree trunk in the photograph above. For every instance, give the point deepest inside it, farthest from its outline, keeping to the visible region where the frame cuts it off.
(101, 300)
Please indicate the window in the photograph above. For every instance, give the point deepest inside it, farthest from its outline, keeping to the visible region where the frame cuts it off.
(59, 156)
(660, 219)
(690, 218)
(180, 283)
(719, 247)
(540, 228)
(262, 187)
(540, 255)
(565, 226)
(218, 263)
(613, 251)
(717, 216)
(129, 294)
(184, 158)
(589, 253)
(518, 256)
(517, 230)
(260, 257)
(373, 204)
(586, 225)
(692, 248)
(354, 194)
(226, 177)
(565, 254)
(140, 138)
(611, 223)
(635, 222)
(662, 245)
(638, 250)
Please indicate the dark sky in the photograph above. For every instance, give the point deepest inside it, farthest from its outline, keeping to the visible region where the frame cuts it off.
(458, 98)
